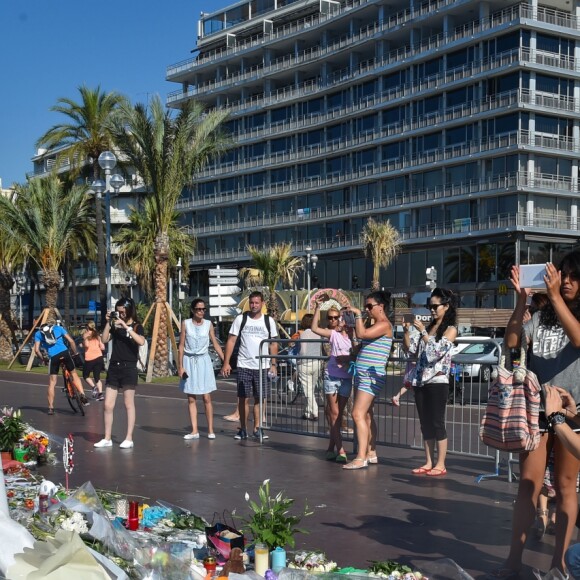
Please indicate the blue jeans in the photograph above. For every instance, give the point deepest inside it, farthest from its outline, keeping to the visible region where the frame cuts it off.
(572, 559)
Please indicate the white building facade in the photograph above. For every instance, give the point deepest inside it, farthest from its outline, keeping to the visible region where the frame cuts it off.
(457, 120)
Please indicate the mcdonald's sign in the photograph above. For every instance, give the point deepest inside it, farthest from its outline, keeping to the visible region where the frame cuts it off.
(502, 289)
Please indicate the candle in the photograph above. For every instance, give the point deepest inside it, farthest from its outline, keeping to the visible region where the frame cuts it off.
(261, 559)
(122, 508)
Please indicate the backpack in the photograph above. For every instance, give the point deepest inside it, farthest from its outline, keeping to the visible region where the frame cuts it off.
(236, 351)
(47, 332)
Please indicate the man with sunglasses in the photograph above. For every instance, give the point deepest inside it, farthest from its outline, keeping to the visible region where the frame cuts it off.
(252, 327)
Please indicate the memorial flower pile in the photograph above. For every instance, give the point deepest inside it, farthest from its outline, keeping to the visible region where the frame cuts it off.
(36, 445)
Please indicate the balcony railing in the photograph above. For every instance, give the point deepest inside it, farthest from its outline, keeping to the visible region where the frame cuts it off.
(508, 182)
(453, 229)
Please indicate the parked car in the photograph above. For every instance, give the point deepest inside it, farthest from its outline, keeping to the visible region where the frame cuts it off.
(478, 360)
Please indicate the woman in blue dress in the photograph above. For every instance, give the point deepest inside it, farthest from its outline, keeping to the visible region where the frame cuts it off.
(195, 368)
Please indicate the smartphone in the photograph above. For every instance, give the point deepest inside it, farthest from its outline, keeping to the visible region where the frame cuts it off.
(348, 317)
(184, 375)
(410, 318)
(532, 276)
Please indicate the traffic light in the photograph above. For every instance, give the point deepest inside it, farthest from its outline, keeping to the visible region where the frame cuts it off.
(431, 274)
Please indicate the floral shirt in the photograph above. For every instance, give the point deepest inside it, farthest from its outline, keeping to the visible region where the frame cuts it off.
(433, 359)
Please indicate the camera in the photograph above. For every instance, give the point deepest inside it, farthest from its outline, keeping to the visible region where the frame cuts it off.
(115, 315)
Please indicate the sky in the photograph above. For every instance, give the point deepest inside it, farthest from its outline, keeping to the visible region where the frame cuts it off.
(49, 49)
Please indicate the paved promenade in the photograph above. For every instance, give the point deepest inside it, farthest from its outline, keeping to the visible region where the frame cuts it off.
(383, 512)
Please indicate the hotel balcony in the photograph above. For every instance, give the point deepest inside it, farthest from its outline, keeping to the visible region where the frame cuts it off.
(461, 230)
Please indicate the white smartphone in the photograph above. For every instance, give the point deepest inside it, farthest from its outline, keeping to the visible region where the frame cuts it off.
(532, 276)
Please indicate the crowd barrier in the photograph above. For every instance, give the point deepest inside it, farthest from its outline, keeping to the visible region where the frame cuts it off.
(298, 391)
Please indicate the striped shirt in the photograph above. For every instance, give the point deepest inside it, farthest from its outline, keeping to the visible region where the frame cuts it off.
(374, 354)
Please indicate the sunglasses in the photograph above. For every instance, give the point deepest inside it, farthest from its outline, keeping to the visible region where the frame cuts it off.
(200, 309)
(433, 306)
(370, 306)
(333, 317)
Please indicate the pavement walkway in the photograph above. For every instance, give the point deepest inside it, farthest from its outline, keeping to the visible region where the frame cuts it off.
(379, 513)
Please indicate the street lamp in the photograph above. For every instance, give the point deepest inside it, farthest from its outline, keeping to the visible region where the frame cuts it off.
(20, 280)
(180, 292)
(311, 260)
(107, 162)
(131, 281)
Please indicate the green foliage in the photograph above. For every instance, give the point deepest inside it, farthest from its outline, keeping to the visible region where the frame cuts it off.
(387, 567)
(11, 429)
(270, 521)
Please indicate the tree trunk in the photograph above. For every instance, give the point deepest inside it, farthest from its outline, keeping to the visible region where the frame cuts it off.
(160, 366)
(51, 283)
(7, 322)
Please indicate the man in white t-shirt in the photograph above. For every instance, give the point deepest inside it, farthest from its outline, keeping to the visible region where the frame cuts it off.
(253, 332)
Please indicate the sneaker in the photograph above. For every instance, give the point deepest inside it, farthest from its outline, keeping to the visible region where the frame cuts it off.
(256, 434)
(51, 411)
(95, 393)
(126, 444)
(103, 443)
(211, 435)
(241, 434)
(191, 436)
(101, 397)
(84, 401)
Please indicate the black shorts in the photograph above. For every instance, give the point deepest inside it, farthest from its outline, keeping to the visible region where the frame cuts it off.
(54, 365)
(249, 383)
(93, 367)
(122, 375)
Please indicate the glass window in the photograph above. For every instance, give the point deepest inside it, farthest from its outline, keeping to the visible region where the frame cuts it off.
(257, 150)
(261, 6)
(237, 15)
(335, 165)
(281, 145)
(315, 200)
(468, 260)
(336, 197)
(402, 271)
(508, 204)
(213, 24)
(366, 124)
(392, 150)
(257, 121)
(228, 185)
(256, 179)
(486, 262)
(280, 115)
(314, 138)
(312, 170)
(418, 266)
(365, 158)
(280, 175)
(335, 101)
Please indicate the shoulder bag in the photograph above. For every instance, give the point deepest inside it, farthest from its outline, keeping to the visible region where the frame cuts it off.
(511, 419)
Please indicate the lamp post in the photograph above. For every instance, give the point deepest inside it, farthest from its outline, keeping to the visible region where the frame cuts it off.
(180, 293)
(131, 281)
(311, 260)
(20, 280)
(107, 162)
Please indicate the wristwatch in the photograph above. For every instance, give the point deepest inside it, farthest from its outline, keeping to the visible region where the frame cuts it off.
(554, 419)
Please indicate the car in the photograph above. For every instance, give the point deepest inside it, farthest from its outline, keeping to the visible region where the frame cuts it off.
(478, 360)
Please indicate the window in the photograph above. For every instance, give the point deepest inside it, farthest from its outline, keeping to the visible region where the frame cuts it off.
(281, 145)
(280, 175)
(281, 115)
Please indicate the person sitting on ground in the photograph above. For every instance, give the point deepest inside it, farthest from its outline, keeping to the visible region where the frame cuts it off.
(53, 338)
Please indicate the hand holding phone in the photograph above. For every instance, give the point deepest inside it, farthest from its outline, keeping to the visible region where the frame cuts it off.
(409, 318)
(348, 317)
(184, 375)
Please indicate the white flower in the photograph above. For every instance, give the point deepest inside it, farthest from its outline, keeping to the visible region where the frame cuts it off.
(266, 482)
(247, 496)
(76, 523)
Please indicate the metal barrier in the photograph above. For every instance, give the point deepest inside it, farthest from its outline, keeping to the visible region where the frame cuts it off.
(398, 426)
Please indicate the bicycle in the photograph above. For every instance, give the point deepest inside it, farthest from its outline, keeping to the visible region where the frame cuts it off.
(72, 395)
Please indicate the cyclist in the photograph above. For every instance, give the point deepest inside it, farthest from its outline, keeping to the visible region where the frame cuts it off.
(53, 339)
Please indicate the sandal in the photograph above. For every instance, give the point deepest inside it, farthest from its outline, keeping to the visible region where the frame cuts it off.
(356, 464)
(436, 472)
(421, 470)
(372, 459)
(341, 458)
(541, 523)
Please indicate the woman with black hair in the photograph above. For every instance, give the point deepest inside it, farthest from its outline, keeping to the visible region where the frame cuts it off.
(124, 330)
(553, 337)
(376, 342)
(195, 368)
(432, 347)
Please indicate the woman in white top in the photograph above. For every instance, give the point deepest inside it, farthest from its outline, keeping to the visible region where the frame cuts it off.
(195, 368)
(309, 369)
(337, 379)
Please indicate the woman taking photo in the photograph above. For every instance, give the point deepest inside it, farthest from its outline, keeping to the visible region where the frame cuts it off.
(371, 361)
(432, 349)
(126, 333)
(94, 361)
(337, 380)
(553, 336)
(195, 368)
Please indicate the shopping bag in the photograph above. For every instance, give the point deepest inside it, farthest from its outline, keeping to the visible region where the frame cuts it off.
(224, 538)
(511, 419)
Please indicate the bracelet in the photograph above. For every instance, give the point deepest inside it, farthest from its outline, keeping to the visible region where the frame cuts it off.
(424, 333)
(358, 317)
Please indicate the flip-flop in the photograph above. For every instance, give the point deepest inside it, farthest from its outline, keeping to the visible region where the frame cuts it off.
(436, 472)
(421, 470)
(231, 418)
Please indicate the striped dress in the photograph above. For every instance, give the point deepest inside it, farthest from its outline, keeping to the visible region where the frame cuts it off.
(371, 371)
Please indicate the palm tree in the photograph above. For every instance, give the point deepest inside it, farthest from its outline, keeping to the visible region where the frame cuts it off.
(85, 137)
(166, 150)
(11, 257)
(276, 265)
(381, 242)
(47, 221)
(136, 242)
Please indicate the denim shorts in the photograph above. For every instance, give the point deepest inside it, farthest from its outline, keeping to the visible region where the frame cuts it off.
(333, 386)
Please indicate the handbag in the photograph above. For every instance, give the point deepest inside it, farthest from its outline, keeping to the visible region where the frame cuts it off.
(511, 419)
(224, 538)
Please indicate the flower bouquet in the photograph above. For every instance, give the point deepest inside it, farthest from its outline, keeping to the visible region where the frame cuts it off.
(36, 445)
(314, 561)
(12, 428)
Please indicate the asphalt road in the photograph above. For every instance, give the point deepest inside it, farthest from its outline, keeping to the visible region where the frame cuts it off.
(383, 512)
